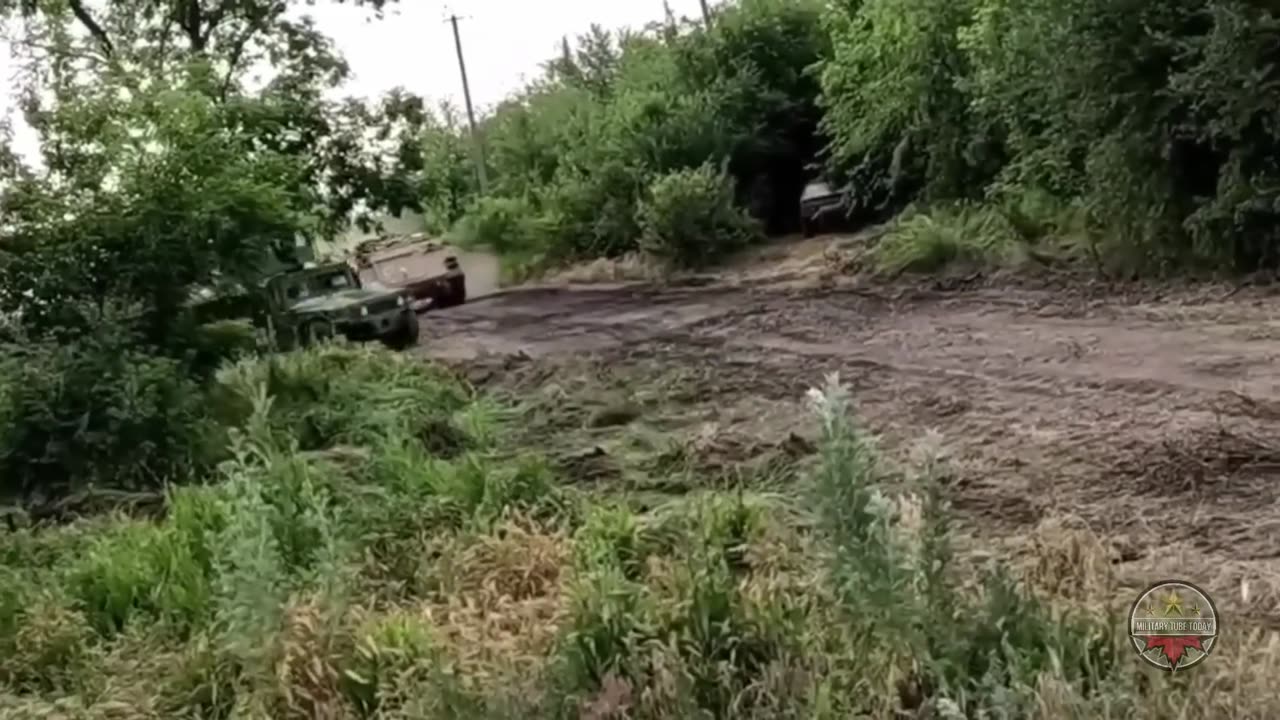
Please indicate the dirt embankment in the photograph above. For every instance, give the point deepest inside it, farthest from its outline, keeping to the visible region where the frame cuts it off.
(1153, 420)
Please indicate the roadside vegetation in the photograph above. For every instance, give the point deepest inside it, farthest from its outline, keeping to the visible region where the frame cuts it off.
(373, 546)
(194, 526)
(1154, 136)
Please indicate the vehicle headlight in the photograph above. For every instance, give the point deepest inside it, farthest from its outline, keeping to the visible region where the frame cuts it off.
(364, 311)
(399, 301)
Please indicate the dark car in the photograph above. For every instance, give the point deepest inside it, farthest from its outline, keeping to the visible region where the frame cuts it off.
(823, 208)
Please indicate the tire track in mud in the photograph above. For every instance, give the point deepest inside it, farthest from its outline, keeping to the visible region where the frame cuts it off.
(1153, 421)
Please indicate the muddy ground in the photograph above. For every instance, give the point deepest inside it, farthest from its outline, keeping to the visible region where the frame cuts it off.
(1150, 418)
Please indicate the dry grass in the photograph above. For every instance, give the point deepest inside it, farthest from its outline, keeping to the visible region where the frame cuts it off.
(632, 267)
(502, 600)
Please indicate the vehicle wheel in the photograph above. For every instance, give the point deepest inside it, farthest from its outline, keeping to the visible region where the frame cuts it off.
(316, 332)
(406, 337)
(459, 288)
(806, 228)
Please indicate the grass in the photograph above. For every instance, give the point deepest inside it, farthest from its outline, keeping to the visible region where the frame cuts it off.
(1009, 232)
(351, 563)
(929, 242)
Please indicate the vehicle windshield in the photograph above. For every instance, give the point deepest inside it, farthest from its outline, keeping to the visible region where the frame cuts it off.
(318, 284)
(816, 190)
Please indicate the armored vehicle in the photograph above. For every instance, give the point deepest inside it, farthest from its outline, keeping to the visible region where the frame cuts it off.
(425, 269)
(823, 208)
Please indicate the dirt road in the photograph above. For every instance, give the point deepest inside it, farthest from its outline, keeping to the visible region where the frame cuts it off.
(1154, 421)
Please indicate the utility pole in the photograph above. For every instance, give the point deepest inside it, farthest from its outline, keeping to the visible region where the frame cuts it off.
(706, 14)
(478, 149)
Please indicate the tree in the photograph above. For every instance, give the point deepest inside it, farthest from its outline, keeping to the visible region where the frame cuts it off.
(166, 166)
(81, 59)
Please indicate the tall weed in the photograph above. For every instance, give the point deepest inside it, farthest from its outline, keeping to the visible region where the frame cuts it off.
(933, 638)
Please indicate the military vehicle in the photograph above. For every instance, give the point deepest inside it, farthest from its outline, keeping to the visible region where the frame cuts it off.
(823, 208)
(424, 268)
(312, 304)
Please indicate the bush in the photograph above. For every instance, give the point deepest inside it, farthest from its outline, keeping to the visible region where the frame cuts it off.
(616, 110)
(505, 226)
(592, 212)
(689, 218)
(477, 492)
(221, 341)
(100, 410)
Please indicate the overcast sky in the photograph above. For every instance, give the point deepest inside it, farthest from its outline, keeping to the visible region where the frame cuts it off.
(504, 42)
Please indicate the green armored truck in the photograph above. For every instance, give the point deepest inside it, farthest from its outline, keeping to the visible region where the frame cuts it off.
(312, 304)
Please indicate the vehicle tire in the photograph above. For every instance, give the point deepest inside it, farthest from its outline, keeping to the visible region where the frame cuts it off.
(406, 337)
(806, 228)
(458, 294)
(317, 331)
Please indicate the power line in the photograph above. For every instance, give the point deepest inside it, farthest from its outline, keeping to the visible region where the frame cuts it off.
(476, 140)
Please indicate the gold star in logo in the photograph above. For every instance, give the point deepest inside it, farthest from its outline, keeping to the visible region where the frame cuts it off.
(1195, 609)
(1172, 603)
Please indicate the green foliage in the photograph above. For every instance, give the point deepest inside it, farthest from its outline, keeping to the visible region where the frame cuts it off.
(341, 394)
(95, 409)
(477, 493)
(1149, 127)
(576, 155)
(223, 341)
(612, 537)
(668, 602)
(896, 106)
(166, 167)
(448, 173)
(946, 236)
(891, 567)
(610, 618)
(509, 227)
(388, 653)
(689, 218)
(141, 569)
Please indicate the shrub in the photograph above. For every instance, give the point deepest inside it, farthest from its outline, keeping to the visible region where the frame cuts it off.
(722, 639)
(593, 212)
(217, 342)
(663, 604)
(689, 218)
(505, 226)
(15, 591)
(95, 410)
